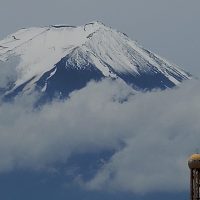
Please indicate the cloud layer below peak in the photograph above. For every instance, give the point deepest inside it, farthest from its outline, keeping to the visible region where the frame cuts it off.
(158, 130)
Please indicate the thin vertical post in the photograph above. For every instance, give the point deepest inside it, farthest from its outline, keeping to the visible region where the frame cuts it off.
(191, 184)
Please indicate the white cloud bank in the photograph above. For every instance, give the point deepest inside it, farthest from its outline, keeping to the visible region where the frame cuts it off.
(159, 130)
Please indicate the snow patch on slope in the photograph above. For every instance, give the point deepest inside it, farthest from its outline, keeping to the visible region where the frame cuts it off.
(41, 48)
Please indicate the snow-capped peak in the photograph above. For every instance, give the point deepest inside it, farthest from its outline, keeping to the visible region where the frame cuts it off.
(111, 52)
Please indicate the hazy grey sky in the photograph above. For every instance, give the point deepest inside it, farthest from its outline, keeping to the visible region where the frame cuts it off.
(167, 27)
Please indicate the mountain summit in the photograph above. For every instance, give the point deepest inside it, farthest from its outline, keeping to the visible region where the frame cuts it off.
(59, 59)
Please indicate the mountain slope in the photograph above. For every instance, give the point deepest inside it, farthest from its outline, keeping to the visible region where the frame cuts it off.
(56, 60)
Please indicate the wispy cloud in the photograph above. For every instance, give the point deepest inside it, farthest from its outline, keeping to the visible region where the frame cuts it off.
(8, 73)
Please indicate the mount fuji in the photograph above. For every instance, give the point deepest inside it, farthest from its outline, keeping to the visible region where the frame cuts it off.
(59, 59)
